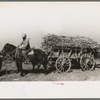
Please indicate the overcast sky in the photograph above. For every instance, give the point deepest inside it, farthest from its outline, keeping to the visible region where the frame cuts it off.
(39, 18)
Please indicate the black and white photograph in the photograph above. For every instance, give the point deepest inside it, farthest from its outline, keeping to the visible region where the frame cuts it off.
(49, 49)
(49, 41)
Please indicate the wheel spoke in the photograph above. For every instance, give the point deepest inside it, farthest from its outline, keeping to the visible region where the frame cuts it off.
(83, 64)
(87, 62)
(63, 64)
(62, 69)
(67, 61)
(84, 67)
(87, 67)
(59, 68)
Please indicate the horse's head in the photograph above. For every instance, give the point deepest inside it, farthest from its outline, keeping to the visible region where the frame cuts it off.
(7, 49)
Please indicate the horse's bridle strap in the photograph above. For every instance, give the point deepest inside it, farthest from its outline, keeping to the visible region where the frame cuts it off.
(9, 53)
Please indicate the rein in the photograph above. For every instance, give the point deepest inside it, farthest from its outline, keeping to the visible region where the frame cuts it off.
(9, 53)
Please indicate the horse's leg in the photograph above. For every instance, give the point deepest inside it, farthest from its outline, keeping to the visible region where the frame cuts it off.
(33, 64)
(45, 62)
(45, 68)
(21, 69)
(18, 65)
(39, 64)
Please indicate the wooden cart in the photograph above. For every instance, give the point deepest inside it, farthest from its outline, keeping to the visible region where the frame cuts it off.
(61, 57)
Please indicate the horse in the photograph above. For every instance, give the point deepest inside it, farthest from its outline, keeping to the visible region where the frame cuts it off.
(37, 58)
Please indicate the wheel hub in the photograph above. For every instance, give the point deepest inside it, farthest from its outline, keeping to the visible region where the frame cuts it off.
(87, 61)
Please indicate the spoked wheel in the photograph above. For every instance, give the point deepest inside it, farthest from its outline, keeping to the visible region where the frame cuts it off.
(87, 62)
(63, 64)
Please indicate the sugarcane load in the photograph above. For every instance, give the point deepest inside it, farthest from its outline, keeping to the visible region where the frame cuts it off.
(65, 48)
(55, 41)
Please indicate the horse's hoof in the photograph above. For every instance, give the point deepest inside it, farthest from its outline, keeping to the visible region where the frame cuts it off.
(22, 75)
(45, 73)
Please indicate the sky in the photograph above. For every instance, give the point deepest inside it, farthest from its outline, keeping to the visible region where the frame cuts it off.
(40, 18)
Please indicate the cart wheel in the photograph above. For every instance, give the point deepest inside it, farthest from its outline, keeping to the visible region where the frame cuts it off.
(63, 64)
(87, 62)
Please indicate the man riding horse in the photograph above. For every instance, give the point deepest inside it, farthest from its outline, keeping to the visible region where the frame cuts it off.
(38, 58)
(25, 47)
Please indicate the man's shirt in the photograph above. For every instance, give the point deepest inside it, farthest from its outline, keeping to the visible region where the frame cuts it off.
(25, 44)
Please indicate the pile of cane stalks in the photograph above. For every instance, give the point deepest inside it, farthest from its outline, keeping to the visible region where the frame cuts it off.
(51, 41)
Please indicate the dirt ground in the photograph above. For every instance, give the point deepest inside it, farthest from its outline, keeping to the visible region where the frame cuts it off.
(9, 73)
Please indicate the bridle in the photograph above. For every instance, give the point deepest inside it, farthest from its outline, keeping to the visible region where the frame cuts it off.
(8, 53)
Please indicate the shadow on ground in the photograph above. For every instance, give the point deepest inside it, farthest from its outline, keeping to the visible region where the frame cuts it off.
(75, 65)
(25, 71)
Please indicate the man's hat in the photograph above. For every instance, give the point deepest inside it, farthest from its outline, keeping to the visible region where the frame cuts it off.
(24, 35)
